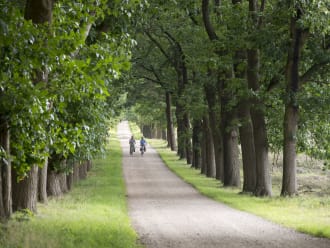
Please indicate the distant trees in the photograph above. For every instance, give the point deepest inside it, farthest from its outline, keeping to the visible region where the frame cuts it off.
(236, 71)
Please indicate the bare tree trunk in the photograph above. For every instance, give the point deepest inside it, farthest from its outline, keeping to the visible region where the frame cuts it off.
(89, 165)
(289, 180)
(42, 184)
(63, 182)
(248, 148)
(76, 166)
(25, 192)
(83, 170)
(69, 181)
(204, 149)
(209, 148)
(53, 184)
(5, 173)
(170, 126)
(181, 151)
(214, 111)
(298, 38)
(197, 144)
(187, 137)
(231, 162)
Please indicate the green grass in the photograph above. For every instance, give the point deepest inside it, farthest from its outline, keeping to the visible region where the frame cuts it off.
(93, 214)
(308, 214)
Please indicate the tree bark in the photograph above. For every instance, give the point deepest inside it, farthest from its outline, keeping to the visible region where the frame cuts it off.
(25, 192)
(83, 171)
(39, 11)
(76, 172)
(89, 165)
(5, 174)
(197, 133)
(69, 180)
(214, 111)
(248, 149)
(246, 127)
(298, 38)
(209, 159)
(53, 183)
(170, 126)
(2, 208)
(181, 151)
(230, 146)
(42, 184)
(263, 184)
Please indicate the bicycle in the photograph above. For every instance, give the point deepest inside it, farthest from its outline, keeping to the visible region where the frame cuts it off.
(142, 149)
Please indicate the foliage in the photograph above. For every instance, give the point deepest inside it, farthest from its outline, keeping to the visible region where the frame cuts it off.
(57, 81)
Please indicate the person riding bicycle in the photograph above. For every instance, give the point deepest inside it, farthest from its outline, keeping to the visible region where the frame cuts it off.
(143, 144)
(132, 144)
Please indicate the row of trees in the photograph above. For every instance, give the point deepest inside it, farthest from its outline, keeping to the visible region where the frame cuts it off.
(59, 63)
(253, 74)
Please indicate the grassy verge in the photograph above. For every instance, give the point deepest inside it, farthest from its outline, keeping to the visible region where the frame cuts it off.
(308, 214)
(93, 214)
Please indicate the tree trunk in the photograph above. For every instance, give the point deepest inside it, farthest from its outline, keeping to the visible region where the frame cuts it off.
(204, 149)
(187, 137)
(2, 208)
(42, 184)
(263, 184)
(76, 166)
(298, 38)
(289, 181)
(214, 111)
(170, 126)
(209, 148)
(53, 184)
(248, 149)
(197, 144)
(231, 162)
(69, 181)
(83, 170)
(89, 165)
(25, 192)
(63, 182)
(181, 151)
(5, 174)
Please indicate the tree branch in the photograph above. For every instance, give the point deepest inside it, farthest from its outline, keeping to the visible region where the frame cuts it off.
(312, 70)
(207, 22)
(162, 50)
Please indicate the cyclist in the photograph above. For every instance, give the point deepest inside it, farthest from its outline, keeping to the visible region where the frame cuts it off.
(143, 144)
(131, 145)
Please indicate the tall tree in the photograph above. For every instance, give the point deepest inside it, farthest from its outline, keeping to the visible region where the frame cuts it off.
(263, 184)
(26, 190)
(228, 113)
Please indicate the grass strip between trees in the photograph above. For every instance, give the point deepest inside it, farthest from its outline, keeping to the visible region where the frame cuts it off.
(304, 213)
(93, 214)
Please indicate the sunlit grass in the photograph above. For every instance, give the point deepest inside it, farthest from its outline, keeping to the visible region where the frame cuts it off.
(93, 214)
(308, 214)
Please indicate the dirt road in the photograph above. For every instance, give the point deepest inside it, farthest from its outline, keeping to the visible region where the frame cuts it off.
(167, 212)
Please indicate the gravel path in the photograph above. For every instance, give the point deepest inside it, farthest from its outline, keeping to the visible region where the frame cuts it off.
(167, 212)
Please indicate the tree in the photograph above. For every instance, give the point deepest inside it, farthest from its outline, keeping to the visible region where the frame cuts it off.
(301, 24)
